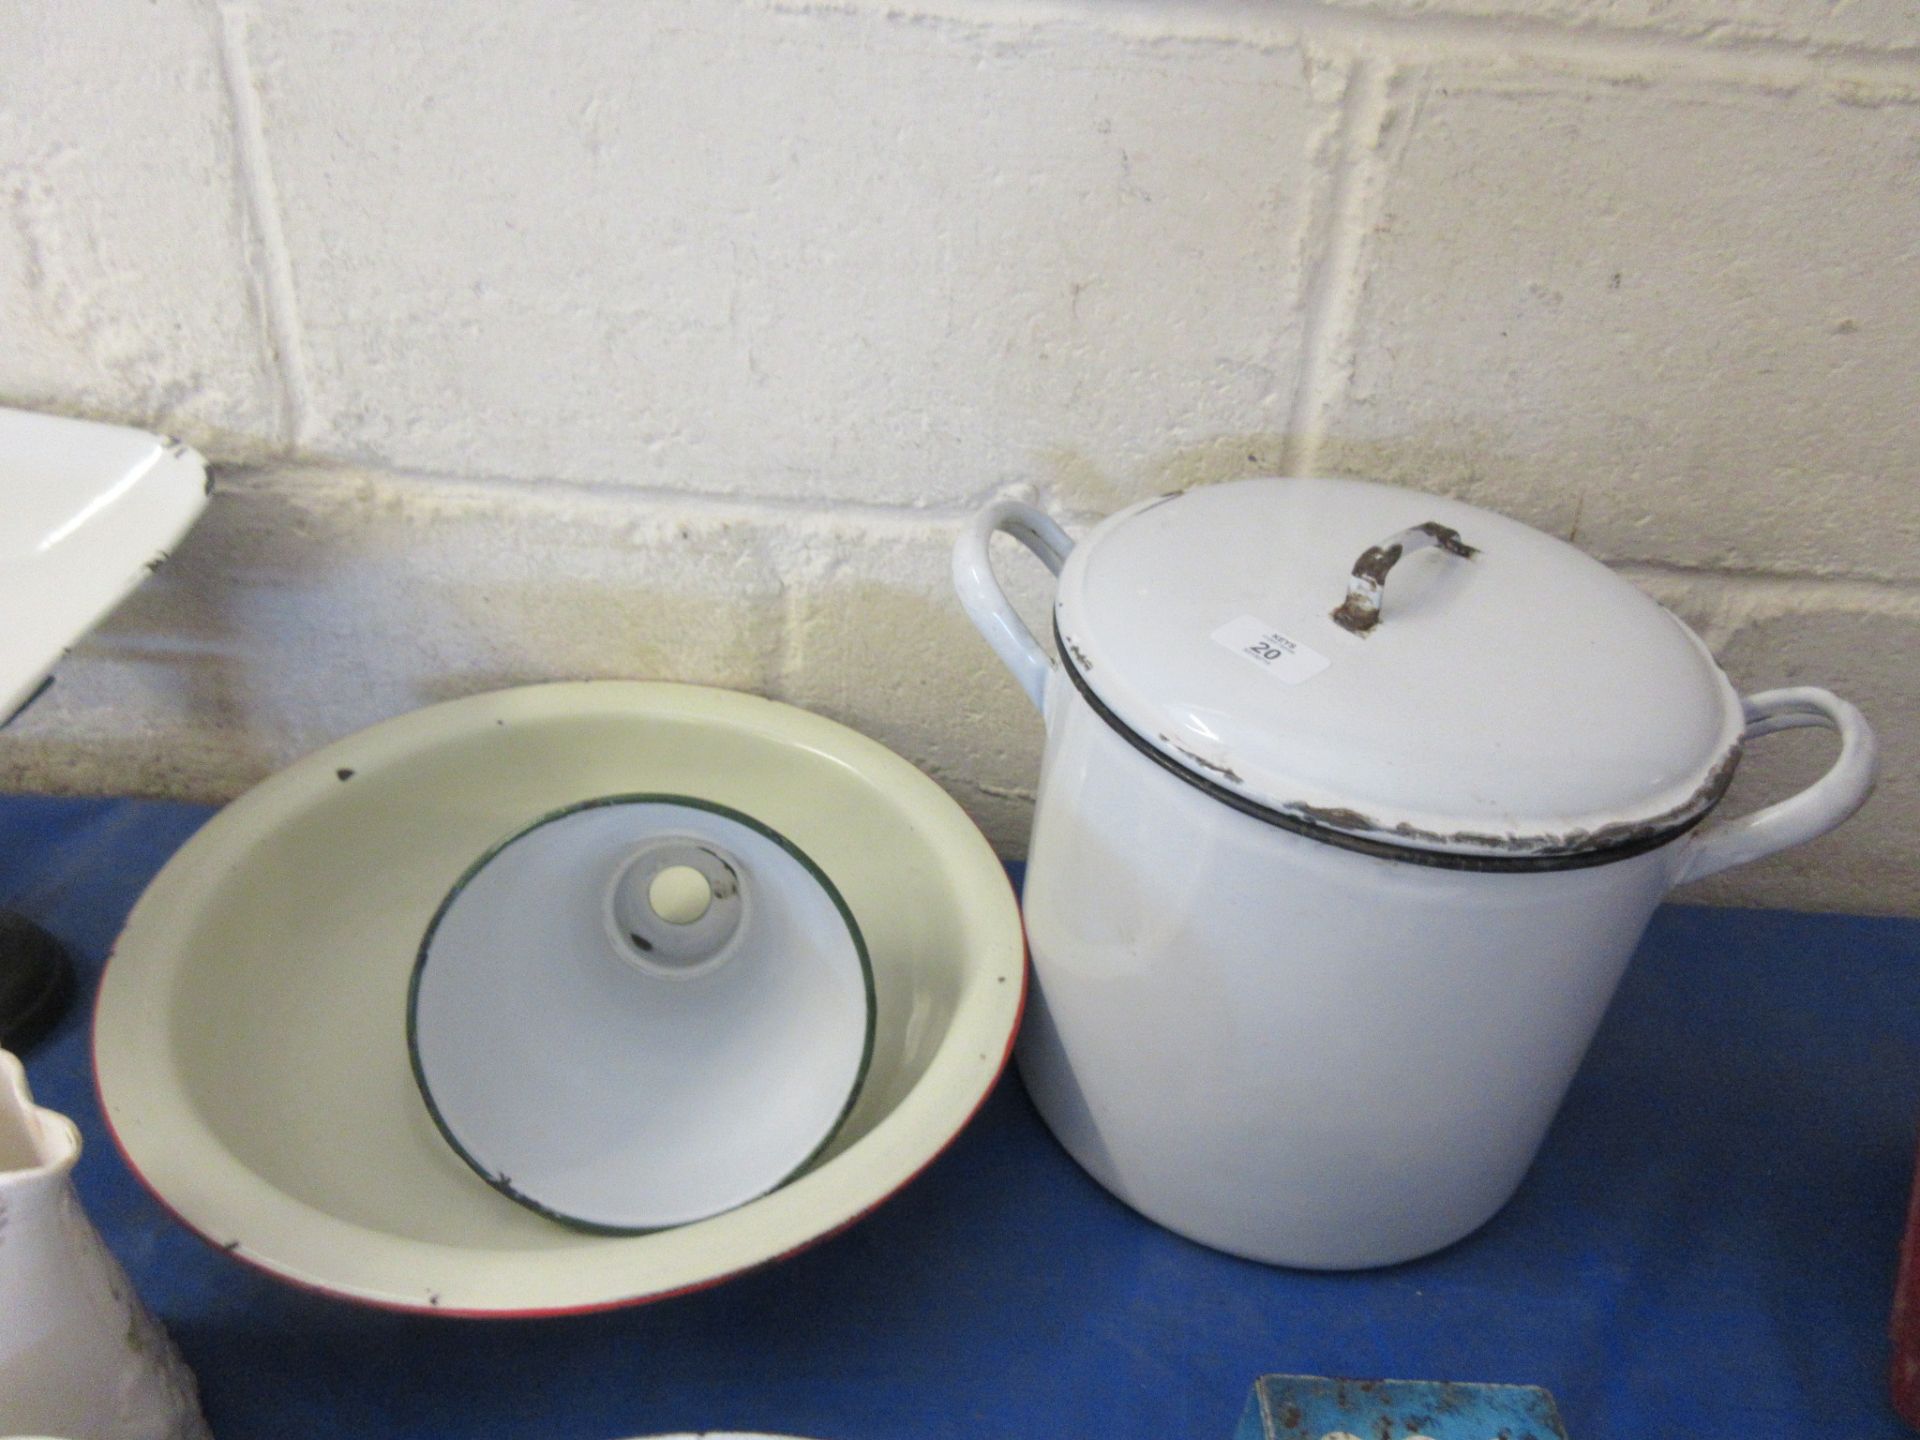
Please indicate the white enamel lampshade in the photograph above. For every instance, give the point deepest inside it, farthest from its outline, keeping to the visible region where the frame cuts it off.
(641, 1011)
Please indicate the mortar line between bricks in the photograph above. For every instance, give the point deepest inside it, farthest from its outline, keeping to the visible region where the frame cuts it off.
(1425, 39)
(262, 198)
(1886, 596)
(297, 478)
(309, 480)
(1334, 275)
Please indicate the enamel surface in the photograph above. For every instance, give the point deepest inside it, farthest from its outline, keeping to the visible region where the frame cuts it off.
(250, 1035)
(578, 1074)
(1255, 1033)
(90, 511)
(1520, 698)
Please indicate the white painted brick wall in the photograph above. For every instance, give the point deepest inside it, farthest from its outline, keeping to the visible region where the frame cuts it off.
(1685, 332)
(676, 340)
(128, 281)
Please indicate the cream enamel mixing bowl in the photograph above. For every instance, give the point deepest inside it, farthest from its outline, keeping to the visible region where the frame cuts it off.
(251, 1041)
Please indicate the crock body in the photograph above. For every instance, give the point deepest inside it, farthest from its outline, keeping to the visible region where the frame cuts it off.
(1295, 1052)
(1326, 897)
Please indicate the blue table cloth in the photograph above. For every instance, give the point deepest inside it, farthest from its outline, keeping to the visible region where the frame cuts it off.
(1706, 1246)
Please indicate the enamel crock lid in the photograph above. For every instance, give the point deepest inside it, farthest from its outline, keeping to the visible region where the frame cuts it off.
(1384, 667)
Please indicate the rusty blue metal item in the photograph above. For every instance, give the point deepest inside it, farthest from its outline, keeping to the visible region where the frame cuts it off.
(1313, 1407)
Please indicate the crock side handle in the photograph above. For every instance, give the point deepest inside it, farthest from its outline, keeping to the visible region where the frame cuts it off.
(1815, 810)
(986, 604)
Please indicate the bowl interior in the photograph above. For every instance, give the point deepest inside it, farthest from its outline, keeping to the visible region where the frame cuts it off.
(278, 947)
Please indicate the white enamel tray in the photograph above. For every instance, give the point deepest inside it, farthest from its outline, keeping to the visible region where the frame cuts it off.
(86, 512)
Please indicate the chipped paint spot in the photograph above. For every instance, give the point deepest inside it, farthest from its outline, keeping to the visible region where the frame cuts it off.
(1315, 1407)
(46, 684)
(1334, 817)
(1571, 842)
(1201, 761)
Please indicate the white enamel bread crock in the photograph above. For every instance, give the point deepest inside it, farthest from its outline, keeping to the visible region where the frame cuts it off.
(1355, 802)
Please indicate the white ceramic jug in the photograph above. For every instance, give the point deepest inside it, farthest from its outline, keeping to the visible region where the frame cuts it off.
(79, 1356)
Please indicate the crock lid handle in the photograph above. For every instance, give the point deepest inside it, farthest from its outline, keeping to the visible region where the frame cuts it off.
(1360, 611)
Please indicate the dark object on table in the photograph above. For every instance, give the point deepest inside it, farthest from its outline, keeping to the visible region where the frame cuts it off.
(1905, 1377)
(1308, 1407)
(36, 982)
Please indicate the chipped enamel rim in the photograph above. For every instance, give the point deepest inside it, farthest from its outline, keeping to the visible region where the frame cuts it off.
(173, 1147)
(1384, 843)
